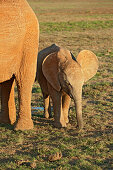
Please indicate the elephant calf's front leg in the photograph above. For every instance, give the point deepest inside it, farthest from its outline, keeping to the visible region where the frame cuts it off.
(57, 107)
(65, 106)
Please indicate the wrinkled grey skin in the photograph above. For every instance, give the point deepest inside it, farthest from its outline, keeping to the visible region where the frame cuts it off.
(61, 77)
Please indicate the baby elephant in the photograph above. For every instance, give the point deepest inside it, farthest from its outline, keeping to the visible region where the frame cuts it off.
(61, 77)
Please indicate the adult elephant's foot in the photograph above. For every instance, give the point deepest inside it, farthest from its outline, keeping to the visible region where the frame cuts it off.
(24, 124)
(8, 117)
(60, 125)
(4, 119)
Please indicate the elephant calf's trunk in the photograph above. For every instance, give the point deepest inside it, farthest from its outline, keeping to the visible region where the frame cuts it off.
(78, 108)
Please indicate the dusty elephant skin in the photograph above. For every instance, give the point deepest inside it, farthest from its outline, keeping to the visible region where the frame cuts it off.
(61, 77)
(19, 32)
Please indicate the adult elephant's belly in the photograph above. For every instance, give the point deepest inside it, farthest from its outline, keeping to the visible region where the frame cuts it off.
(12, 34)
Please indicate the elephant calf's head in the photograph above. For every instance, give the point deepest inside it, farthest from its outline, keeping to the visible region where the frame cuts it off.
(62, 72)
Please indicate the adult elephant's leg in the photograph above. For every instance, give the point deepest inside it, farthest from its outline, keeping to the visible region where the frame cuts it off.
(8, 110)
(57, 107)
(0, 99)
(65, 105)
(24, 85)
(25, 76)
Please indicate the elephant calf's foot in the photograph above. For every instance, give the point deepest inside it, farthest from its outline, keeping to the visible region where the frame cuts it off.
(79, 127)
(24, 124)
(66, 120)
(46, 115)
(59, 124)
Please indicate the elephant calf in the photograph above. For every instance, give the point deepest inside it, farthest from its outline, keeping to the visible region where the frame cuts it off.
(61, 77)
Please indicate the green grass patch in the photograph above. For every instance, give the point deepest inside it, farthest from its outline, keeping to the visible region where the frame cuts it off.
(78, 25)
(36, 90)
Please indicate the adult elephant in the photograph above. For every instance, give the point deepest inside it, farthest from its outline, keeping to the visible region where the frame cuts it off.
(61, 77)
(19, 34)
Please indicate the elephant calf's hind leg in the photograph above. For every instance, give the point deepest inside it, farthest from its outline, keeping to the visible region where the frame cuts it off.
(47, 107)
(65, 106)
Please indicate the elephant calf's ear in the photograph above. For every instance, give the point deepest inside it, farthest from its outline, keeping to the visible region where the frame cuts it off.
(89, 63)
(50, 70)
